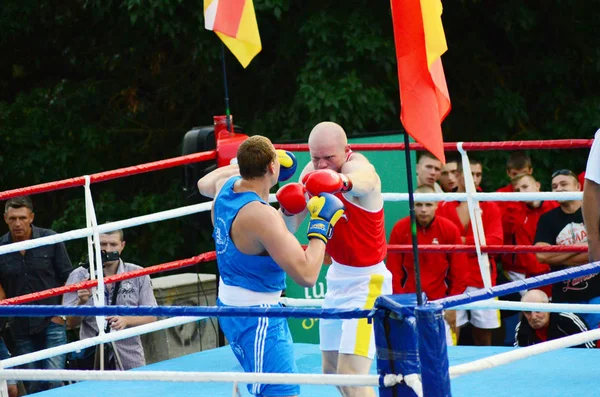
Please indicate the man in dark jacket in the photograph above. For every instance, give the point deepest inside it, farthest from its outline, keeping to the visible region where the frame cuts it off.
(543, 326)
(34, 270)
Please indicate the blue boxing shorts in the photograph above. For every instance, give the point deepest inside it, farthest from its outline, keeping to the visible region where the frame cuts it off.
(262, 344)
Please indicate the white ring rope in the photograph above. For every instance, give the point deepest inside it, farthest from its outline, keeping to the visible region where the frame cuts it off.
(193, 209)
(180, 376)
(479, 196)
(533, 307)
(104, 228)
(523, 352)
(490, 304)
(105, 338)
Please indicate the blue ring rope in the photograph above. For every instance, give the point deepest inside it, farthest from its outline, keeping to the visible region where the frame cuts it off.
(519, 285)
(192, 311)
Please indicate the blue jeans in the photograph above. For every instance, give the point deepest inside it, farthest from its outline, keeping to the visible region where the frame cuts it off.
(53, 335)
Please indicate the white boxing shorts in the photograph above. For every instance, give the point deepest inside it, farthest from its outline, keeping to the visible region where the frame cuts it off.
(484, 319)
(356, 288)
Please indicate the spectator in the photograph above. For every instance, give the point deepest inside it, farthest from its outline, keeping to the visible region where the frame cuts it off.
(442, 274)
(132, 292)
(519, 228)
(591, 200)
(564, 226)
(34, 270)
(518, 163)
(544, 326)
(448, 174)
(428, 171)
(483, 321)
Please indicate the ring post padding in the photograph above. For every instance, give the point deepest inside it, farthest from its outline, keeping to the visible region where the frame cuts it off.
(396, 341)
(433, 352)
(227, 141)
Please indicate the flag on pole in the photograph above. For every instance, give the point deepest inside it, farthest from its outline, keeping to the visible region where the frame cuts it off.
(234, 21)
(420, 43)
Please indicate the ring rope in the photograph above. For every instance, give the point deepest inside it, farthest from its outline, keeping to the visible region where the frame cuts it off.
(96, 340)
(519, 285)
(108, 175)
(530, 306)
(490, 249)
(196, 311)
(105, 228)
(478, 196)
(452, 146)
(210, 256)
(206, 257)
(192, 209)
(524, 352)
(211, 155)
(180, 376)
(481, 305)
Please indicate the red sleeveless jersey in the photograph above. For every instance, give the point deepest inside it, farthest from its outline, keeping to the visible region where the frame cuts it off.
(359, 240)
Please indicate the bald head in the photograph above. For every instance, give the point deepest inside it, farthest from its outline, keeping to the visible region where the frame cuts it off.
(327, 132)
(537, 320)
(328, 146)
(535, 296)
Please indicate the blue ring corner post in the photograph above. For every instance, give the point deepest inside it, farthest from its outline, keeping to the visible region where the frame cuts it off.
(411, 340)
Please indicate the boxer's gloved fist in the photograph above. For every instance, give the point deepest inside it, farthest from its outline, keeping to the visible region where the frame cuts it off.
(326, 181)
(325, 210)
(288, 165)
(292, 199)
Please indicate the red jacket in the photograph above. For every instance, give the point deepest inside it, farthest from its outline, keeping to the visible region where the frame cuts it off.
(442, 274)
(492, 226)
(521, 231)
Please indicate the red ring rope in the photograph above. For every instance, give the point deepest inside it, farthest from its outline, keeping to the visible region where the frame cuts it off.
(107, 175)
(208, 256)
(474, 146)
(490, 249)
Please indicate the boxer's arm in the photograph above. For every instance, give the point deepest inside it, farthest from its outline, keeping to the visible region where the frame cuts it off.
(210, 184)
(363, 176)
(303, 266)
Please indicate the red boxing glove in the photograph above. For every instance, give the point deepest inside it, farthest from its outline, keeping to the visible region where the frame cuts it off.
(292, 199)
(326, 181)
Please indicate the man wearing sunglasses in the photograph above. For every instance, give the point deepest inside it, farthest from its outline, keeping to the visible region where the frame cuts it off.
(591, 200)
(564, 226)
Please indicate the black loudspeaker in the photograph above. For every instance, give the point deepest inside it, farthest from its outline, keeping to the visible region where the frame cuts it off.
(196, 140)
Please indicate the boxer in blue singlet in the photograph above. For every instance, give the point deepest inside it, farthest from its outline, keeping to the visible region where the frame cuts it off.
(255, 249)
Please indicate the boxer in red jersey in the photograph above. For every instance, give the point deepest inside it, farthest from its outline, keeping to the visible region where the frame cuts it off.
(483, 321)
(519, 229)
(358, 274)
(442, 274)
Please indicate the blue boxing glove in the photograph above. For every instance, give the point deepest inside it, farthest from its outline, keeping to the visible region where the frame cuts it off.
(288, 165)
(325, 210)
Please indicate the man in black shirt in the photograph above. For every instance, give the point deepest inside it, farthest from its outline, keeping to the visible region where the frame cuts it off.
(564, 226)
(28, 271)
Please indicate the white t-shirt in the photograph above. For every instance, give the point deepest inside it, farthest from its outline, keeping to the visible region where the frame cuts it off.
(592, 171)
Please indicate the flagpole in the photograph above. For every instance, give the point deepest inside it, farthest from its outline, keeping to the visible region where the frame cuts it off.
(413, 220)
(227, 111)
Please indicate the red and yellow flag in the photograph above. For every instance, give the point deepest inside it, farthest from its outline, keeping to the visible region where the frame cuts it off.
(420, 43)
(234, 21)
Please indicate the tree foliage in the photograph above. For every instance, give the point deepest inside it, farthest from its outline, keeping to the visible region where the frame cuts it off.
(94, 85)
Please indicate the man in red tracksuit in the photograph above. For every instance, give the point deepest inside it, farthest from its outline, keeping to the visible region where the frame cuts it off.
(519, 229)
(483, 321)
(442, 274)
